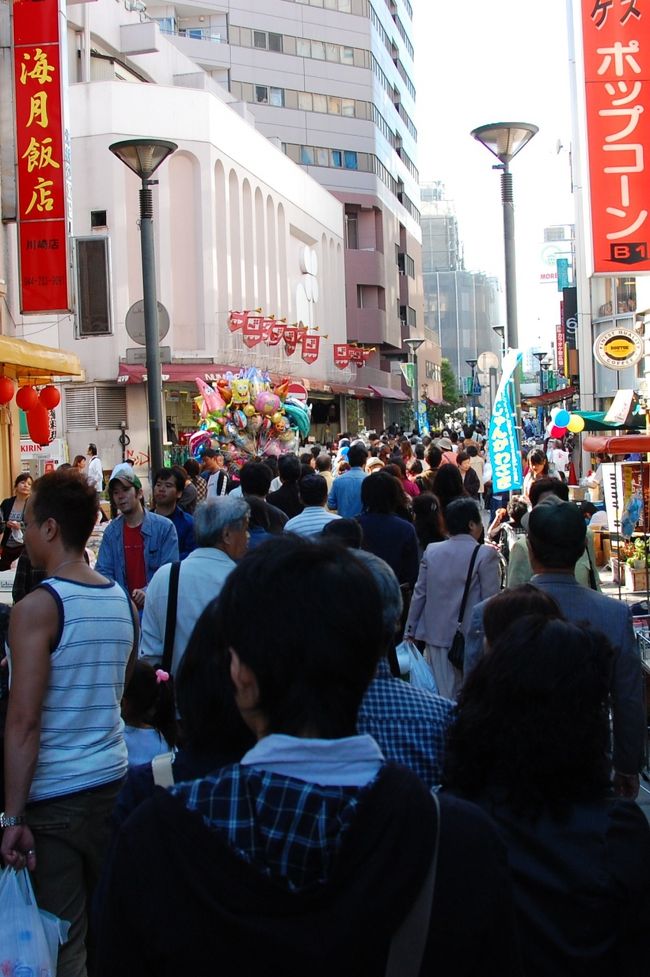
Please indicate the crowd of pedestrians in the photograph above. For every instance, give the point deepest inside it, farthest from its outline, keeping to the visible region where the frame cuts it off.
(214, 758)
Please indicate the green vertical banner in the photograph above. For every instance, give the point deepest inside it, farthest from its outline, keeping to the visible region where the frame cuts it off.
(408, 371)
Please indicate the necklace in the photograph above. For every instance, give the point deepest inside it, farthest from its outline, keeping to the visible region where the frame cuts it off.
(66, 563)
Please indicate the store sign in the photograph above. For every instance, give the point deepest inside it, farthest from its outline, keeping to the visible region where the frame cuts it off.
(503, 442)
(616, 43)
(42, 157)
(618, 348)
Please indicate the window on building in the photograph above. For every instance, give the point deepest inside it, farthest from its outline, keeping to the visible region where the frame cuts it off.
(333, 52)
(337, 158)
(351, 230)
(305, 101)
(318, 50)
(260, 39)
(276, 97)
(347, 55)
(320, 102)
(360, 297)
(322, 157)
(275, 42)
(307, 155)
(351, 160)
(261, 94)
(333, 105)
(347, 107)
(303, 47)
(93, 292)
(98, 218)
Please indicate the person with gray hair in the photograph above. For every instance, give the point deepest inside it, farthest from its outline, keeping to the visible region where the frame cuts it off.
(409, 724)
(221, 532)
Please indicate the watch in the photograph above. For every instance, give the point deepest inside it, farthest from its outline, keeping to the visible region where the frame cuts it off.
(8, 822)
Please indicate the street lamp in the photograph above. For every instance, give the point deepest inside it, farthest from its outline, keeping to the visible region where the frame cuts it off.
(414, 345)
(144, 156)
(540, 357)
(472, 365)
(505, 140)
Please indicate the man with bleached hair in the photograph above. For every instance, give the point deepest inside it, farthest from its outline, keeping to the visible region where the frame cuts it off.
(221, 532)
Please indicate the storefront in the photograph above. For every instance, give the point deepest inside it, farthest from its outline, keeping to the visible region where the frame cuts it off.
(26, 363)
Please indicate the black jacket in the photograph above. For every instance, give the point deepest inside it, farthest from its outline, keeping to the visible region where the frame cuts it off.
(178, 900)
(287, 499)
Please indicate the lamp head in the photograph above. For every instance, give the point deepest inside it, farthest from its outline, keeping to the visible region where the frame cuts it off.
(143, 156)
(505, 139)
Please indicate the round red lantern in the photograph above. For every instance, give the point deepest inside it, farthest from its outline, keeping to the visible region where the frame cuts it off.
(6, 389)
(49, 397)
(38, 424)
(27, 398)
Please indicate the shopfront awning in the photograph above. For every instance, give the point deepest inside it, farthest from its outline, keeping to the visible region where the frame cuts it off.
(36, 363)
(360, 393)
(624, 444)
(595, 421)
(550, 397)
(210, 372)
(388, 393)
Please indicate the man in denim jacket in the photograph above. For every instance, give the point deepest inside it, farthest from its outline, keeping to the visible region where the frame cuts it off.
(137, 544)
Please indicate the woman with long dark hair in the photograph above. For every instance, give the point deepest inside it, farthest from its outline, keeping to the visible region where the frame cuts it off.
(12, 510)
(531, 747)
(385, 532)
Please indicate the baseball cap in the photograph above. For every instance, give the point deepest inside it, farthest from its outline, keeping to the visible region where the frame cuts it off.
(558, 522)
(127, 479)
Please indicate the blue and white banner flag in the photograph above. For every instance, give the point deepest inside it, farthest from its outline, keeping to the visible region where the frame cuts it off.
(503, 440)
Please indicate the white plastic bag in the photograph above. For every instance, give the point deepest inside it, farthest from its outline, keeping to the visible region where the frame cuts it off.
(412, 665)
(29, 937)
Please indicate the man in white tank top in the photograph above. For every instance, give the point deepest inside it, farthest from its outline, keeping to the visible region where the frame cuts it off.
(72, 643)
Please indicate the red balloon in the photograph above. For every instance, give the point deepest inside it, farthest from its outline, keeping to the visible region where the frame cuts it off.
(50, 397)
(558, 432)
(6, 389)
(38, 424)
(27, 398)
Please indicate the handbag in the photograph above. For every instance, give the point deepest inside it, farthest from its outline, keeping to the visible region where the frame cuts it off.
(414, 668)
(456, 654)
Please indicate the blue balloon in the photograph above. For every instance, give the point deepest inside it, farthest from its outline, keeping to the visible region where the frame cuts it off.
(562, 418)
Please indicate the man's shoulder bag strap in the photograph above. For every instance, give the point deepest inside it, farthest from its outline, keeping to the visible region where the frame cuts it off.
(170, 622)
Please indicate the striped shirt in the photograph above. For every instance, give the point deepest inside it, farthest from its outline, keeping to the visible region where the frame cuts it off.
(310, 521)
(82, 733)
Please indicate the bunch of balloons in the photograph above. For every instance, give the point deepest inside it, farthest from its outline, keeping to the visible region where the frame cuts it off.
(249, 416)
(563, 421)
(37, 406)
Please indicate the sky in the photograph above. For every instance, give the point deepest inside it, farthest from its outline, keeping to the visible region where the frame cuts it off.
(482, 61)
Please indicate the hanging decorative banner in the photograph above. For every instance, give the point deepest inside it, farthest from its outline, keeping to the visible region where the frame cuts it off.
(236, 320)
(503, 441)
(276, 332)
(358, 355)
(616, 45)
(310, 348)
(253, 330)
(291, 340)
(341, 355)
(42, 156)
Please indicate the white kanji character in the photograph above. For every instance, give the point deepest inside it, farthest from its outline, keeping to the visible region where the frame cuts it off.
(633, 115)
(635, 148)
(618, 54)
(611, 89)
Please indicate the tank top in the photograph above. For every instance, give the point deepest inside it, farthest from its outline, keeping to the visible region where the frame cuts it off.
(82, 732)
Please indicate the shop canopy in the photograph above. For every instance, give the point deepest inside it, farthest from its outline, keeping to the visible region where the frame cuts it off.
(595, 421)
(388, 393)
(33, 363)
(550, 397)
(209, 372)
(624, 444)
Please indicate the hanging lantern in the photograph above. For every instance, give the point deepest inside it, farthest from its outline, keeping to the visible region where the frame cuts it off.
(7, 389)
(49, 397)
(38, 424)
(27, 398)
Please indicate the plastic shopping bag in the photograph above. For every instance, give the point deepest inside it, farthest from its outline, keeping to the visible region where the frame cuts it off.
(29, 937)
(413, 667)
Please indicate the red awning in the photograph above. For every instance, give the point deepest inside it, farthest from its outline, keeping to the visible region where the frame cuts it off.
(624, 444)
(209, 372)
(551, 396)
(350, 391)
(388, 393)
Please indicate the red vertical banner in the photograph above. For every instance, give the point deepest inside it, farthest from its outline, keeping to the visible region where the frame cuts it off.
(40, 157)
(310, 348)
(559, 348)
(616, 42)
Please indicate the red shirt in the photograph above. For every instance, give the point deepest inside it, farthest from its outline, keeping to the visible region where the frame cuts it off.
(136, 575)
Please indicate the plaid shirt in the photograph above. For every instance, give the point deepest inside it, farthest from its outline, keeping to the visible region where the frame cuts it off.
(282, 826)
(410, 725)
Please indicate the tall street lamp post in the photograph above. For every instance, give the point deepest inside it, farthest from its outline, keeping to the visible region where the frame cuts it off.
(504, 140)
(414, 345)
(540, 357)
(143, 157)
(472, 365)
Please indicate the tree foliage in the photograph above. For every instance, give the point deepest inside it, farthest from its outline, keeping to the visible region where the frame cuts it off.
(449, 383)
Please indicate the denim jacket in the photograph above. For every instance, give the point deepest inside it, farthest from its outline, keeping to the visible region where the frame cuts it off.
(160, 547)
